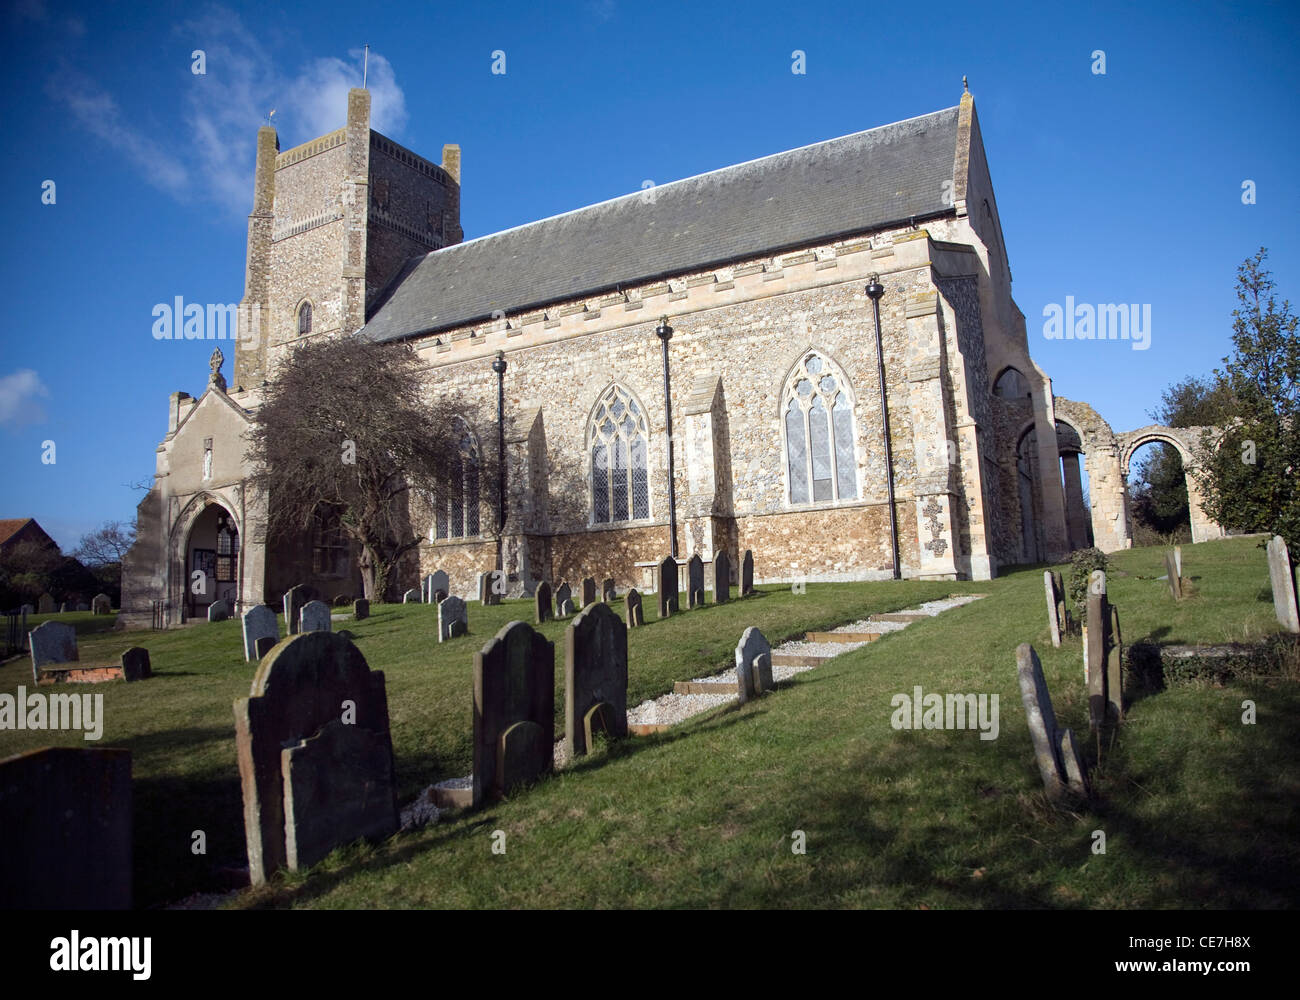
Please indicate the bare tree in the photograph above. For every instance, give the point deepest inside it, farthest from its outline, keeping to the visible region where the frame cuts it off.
(348, 426)
(106, 545)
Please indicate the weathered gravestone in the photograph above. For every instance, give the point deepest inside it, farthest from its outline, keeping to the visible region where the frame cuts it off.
(514, 710)
(753, 665)
(668, 587)
(101, 604)
(747, 574)
(218, 611)
(453, 618)
(65, 829)
(595, 677)
(436, 586)
(45, 605)
(361, 609)
(542, 603)
(635, 616)
(721, 577)
(588, 591)
(491, 585)
(608, 592)
(563, 600)
(1103, 650)
(1282, 578)
(135, 664)
(1047, 738)
(259, 623)
(307, 683)
(1175, 580)
(1054, 622)
(695, 582)
(1178, 559)
(294, 599)
(411, 597)
(52, 642)
(315, 617)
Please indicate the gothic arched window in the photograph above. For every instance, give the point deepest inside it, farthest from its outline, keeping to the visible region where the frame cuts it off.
(304, 319)
(456, 504)
(620, 475)
(329, 544)
(817, 412)
(227, 569)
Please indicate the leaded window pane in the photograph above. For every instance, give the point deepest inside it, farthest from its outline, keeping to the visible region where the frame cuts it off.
(618, 510)
(844, 458)
(457, 514)
(640, 480)
(440, 518)
(600, 483)
(797, 446)
(471, 494)
(819, 436)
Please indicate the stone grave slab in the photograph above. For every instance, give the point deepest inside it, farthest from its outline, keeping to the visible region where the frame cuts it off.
(667, 583)
(514, 682)
(721, 577)
(695, 582)
(753, 665)
(453, 618)
(258, 622)
(595, 673)
(632, 602)
(542, 603)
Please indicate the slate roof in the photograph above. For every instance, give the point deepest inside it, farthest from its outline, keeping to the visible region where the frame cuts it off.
(825, 191)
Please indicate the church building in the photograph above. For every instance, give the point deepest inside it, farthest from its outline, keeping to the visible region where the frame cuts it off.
(829, 331)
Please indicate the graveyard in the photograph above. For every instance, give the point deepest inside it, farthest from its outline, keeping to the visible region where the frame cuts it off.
(802, 796)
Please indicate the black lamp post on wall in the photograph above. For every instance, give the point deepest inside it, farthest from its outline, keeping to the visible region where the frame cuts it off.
(874, 291)
(499, 366)
(665, 333)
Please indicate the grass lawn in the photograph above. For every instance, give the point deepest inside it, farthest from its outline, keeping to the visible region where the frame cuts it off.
(1197, 808)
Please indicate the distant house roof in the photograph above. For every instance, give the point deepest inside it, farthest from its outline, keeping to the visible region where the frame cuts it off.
(821, 192)
(11, 530)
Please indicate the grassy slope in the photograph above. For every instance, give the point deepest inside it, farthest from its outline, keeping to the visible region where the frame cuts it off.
(1198, 809)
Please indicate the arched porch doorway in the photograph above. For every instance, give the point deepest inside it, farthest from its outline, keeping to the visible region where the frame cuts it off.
(206, 559)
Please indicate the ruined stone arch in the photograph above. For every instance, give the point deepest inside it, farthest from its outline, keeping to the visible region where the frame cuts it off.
(1185, 440)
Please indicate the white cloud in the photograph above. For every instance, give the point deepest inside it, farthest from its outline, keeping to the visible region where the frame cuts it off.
(223, 108)
(19, 393)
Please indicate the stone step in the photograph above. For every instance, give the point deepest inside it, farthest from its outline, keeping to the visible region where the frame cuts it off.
(842, 636)
(797, 660)
(453, 798)
(705, 687)
(646, 728)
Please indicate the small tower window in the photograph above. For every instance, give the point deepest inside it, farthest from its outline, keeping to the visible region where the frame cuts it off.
(304, 319)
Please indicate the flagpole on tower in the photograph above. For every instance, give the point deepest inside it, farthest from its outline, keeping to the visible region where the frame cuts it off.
(365, 68)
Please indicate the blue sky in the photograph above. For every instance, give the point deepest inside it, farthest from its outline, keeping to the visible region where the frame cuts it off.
(1122, 187)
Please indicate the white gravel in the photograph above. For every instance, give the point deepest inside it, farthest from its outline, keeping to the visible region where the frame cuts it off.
(780, 673)
(674, 708)
(870, 626)
(421, 812)
(798, 647)
(457, 784)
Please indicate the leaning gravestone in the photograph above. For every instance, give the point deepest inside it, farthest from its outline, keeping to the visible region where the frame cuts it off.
(747, 574)
(453, 618)
(491, 585)
(135, 664)
(411, 597)
(668, 587)
(52, 642)
(101, 604)
(361, 609)
(315, 617)
(65, 825)
(218, 611)
(294, 599)
(45, 604)
(588, 591)
(721, 577)
(595, 677)
(259, 622)
(753, 665)
(542, 602)
(305, 796)
(1043, 730)
(1175, 580)
(563, 600)
(436, 586)
(1053, 604)
(1282, 578)
(608, 593)
(514, 710)
(635, 616)
(695, 582)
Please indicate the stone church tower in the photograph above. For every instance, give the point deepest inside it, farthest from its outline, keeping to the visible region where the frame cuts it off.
(333, 219)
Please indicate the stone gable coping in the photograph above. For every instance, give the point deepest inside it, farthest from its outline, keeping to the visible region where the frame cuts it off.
(309, 149)
(401, 154)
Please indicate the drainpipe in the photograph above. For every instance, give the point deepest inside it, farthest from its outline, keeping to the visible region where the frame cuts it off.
(874, 290)
(499, 366)
(665, 333)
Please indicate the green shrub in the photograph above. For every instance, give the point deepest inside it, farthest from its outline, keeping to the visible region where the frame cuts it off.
(1083, 563)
